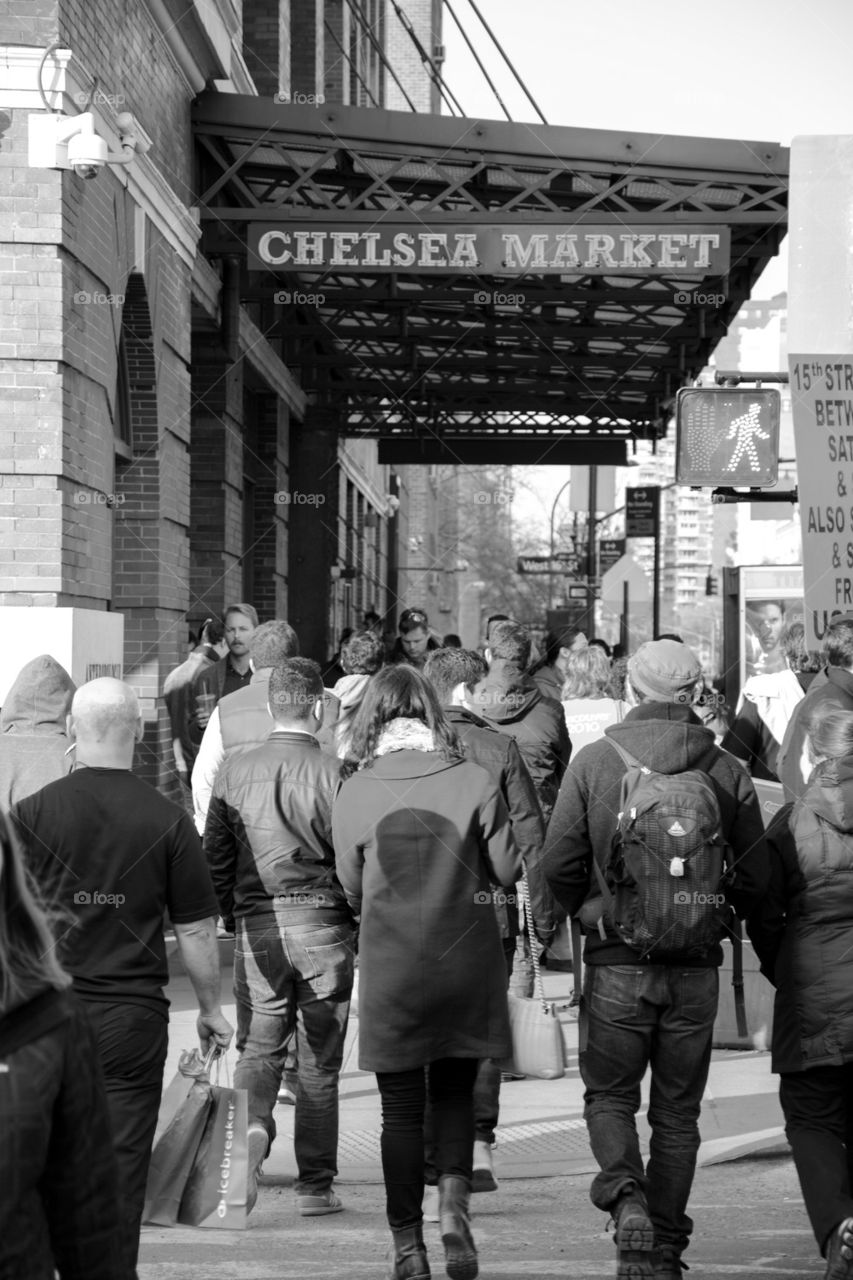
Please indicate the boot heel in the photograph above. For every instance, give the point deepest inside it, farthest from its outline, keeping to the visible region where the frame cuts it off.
(460, 1253)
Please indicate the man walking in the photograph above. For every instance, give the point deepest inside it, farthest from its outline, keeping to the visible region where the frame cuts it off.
(116, 856)
(454, 674)
(231, 673)
(269, 845)
(241, 720)
(650, 1005)
(177, 695)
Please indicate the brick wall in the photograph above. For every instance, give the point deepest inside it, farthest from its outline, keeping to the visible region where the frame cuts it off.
(262, 21)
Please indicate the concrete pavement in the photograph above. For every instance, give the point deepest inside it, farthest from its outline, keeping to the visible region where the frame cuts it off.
(540, 1223)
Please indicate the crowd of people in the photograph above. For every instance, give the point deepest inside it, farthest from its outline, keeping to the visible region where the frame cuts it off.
(385, 823)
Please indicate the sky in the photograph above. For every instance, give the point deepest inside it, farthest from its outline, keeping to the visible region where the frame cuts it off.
(762, 70)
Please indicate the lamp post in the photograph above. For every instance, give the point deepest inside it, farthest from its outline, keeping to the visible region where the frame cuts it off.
(560, 493)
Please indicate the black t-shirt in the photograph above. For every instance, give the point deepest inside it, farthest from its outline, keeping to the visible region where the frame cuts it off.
(115, 855)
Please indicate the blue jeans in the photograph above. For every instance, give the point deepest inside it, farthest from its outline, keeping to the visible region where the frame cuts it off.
(633, 1016)
(294, 977)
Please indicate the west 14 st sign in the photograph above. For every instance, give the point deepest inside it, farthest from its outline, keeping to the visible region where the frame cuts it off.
(491, 249)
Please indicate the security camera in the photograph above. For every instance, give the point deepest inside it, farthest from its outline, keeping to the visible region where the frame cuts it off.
(87, 153)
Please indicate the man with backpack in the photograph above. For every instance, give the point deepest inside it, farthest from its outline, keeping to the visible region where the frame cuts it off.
(656, 834)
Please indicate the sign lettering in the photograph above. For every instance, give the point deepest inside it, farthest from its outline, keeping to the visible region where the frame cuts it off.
(490, 248)
(822, 405)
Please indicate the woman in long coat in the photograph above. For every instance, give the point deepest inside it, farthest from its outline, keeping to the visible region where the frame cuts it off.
(420, 834)
(803, 934)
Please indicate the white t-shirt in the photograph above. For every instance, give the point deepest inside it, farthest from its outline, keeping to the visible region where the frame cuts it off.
(587, 718)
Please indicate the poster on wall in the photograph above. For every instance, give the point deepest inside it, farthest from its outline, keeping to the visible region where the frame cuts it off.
(771, 599)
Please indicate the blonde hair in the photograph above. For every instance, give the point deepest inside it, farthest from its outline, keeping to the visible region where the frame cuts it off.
(27, 946)
(831, 735)
(587, 673)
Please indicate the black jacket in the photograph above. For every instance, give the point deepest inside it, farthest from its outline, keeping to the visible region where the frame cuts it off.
(669, 738)
(802, 928)
(58, 1208)
(511, 702)
(500, 756)
(268, 836)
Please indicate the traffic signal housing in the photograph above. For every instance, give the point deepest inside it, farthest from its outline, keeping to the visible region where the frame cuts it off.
(727, 436)
(712, 587)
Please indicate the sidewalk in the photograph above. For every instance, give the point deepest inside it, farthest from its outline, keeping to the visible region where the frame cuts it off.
(540, 1224)
(542, 1132)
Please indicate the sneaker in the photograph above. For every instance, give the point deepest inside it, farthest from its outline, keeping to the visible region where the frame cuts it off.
(506, 1076)
(839, 1252)
(258, 1147)
(319, 1203)
(430, 1204)
(635, 1238)
(286, 1097)
(483, 1175)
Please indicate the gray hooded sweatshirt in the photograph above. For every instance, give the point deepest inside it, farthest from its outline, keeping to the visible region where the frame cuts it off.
(33, 740)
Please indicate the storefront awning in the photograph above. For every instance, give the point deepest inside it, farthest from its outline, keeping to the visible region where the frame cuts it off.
(518, 292)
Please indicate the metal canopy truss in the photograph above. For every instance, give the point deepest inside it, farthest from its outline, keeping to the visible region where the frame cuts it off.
(532, 356)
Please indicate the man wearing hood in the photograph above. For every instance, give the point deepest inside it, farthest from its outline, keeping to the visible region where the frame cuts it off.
(639, 1011)
(33, 738)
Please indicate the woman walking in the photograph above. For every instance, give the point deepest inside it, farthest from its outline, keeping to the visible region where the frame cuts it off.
(420, 835)
(59, 1211)
(803, 934)
(587, 705)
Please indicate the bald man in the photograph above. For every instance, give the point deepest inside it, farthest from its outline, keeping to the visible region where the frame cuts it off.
(115, 855)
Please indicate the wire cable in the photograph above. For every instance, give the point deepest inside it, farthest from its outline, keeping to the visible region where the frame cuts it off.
(365, 86)
(432, 69)
(477, 59)
(501, 51)
(380, 53)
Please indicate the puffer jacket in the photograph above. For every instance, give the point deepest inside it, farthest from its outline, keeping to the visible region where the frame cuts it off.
(511, 703)
(33, 740)
(803, 928)
(669, 738)
(268, 836)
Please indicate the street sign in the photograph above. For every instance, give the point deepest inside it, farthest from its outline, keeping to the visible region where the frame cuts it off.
(823, 417)
(576, 592)
(726, 436)
(642, 512)
(564, 562)
(610, 550)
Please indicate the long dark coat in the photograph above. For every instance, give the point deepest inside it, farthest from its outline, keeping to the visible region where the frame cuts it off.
(417, 842)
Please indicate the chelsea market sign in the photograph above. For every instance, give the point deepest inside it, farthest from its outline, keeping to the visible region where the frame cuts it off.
(492, 249)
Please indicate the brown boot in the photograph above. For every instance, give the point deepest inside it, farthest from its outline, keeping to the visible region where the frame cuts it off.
(459, 1250)
(409, 1259)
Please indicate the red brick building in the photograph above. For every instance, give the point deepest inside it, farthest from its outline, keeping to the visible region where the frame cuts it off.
(159, 457)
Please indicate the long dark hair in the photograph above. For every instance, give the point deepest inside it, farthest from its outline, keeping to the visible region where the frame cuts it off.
(391, 693)
(27, 947)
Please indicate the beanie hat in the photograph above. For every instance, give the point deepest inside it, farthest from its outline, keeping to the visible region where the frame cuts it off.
(665, 671)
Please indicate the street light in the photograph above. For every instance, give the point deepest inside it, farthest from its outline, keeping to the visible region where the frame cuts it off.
(560, 493)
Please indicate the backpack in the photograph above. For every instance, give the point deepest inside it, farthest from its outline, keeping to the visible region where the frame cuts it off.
(665, 875)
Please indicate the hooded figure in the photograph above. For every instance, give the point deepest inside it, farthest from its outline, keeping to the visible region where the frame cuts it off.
(33, 738)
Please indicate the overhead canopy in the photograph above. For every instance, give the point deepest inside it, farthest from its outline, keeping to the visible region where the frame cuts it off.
(513, 292)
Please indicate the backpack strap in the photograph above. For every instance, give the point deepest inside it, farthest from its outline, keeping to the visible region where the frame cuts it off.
(736, 935)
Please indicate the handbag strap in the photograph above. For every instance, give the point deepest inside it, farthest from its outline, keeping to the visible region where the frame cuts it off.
(538, 984)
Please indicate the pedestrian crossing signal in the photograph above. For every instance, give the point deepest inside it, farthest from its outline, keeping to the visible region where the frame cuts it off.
(727, 437)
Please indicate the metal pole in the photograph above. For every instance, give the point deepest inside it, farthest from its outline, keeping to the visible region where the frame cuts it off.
(560, 493)
(590, 550)
(656, 585)
(624, 633)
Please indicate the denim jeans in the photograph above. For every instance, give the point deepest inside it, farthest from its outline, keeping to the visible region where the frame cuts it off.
(404, 1095)
(633, 1016)
(818, 1107)
(294, 977)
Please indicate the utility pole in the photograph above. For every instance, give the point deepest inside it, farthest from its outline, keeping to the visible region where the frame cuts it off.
(590, 550)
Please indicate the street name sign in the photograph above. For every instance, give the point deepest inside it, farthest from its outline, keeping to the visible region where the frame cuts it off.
(642, 512)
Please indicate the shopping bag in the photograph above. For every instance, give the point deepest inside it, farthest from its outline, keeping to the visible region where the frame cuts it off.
(215, 1193)
(538, 1048)
(181, 1120)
